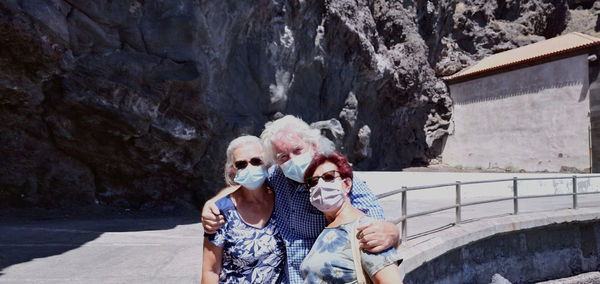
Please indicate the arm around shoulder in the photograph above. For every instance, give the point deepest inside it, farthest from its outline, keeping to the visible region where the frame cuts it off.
(212, 220)
(223, 192)
(378, 236)
(364, 199)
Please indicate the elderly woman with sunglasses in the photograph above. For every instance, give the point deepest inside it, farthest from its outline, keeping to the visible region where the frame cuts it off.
(248, 247)
(335, 257)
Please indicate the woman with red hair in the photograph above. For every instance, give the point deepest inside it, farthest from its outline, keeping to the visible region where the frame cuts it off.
(335, 257)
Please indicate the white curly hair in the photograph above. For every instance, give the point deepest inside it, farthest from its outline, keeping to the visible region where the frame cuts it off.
(291, 123)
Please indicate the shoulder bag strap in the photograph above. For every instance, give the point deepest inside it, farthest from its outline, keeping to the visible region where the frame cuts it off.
(361, 275)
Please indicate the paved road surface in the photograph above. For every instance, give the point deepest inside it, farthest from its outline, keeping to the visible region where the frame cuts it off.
(157, 250)
(169, 250)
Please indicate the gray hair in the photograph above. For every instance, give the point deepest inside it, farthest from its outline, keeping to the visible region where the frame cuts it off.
(234, 144)
(289, 122)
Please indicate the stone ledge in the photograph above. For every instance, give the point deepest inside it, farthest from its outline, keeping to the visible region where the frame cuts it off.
(417, 251)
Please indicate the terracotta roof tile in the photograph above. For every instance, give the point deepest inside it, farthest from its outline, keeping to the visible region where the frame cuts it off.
(539, 50)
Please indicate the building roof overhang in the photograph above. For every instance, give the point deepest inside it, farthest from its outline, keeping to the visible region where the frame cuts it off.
(568, 45)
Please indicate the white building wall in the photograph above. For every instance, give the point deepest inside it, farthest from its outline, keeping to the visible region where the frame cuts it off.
(534, 118)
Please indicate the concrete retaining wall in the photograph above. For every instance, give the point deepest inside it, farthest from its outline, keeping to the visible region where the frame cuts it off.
(522, 248)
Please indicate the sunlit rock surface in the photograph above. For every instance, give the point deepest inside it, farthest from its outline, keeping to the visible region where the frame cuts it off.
(131, 103)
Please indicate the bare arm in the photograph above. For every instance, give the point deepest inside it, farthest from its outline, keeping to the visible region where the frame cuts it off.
(212, 220)
(378, 236)
(388, 274)
(211, 262)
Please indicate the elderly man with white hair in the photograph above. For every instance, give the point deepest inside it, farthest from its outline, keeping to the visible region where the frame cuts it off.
(290, 143)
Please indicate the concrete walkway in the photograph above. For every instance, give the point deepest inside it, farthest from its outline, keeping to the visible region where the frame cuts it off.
(157, 250)
(169, 250)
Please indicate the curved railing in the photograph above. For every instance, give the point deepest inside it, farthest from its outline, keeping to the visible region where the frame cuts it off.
(459, 204)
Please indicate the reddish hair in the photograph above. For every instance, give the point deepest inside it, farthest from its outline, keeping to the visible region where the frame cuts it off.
(335, 158)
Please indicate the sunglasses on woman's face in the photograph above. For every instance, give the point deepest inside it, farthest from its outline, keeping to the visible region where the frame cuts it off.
(240, 165)
(328, 176)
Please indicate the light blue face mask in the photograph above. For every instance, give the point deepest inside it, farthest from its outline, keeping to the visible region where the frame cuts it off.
(294, 168)
(252, 177)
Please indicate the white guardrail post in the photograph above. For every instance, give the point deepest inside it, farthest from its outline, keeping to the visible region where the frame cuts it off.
(515, 196)
(458, 208)
(574, 192)
(404, 232)
(459, 204)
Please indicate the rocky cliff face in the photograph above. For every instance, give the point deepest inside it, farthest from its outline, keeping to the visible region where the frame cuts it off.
(131, 103)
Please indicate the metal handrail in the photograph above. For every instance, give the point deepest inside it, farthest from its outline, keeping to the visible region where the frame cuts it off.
(459, 204)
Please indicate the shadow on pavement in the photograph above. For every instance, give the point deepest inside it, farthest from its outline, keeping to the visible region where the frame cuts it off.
(25, 240)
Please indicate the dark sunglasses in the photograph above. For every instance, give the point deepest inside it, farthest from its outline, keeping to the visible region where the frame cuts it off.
(326, 176)
(240, 165)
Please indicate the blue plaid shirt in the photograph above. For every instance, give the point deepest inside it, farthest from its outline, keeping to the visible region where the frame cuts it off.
(300, 223)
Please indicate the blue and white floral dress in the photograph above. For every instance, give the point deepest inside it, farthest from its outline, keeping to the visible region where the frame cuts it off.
(250, 254)
(330, 259)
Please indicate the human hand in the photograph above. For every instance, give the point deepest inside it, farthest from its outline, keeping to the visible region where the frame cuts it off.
(377, 236)
(212, 220)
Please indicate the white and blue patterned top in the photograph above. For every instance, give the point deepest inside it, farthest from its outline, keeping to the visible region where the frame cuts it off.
(250, 254)
(330, 259)
(300, 223)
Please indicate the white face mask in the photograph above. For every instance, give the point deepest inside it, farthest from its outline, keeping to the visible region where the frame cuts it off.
(251, 177)
(327, 196)
(294, 168)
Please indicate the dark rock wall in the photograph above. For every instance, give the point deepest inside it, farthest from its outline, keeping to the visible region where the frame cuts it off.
(131, 103)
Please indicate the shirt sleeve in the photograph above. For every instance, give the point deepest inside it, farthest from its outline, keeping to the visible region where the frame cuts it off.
(373, 262)
(362, 198)
(218, 238)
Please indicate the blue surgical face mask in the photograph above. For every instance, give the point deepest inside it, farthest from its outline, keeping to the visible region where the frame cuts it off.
(294, 168)
(252, 177)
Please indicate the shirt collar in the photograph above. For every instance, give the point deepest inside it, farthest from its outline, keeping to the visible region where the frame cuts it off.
(276, 171)
(300, 187)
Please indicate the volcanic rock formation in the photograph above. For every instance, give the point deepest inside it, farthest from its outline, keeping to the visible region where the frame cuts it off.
(131, 103)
